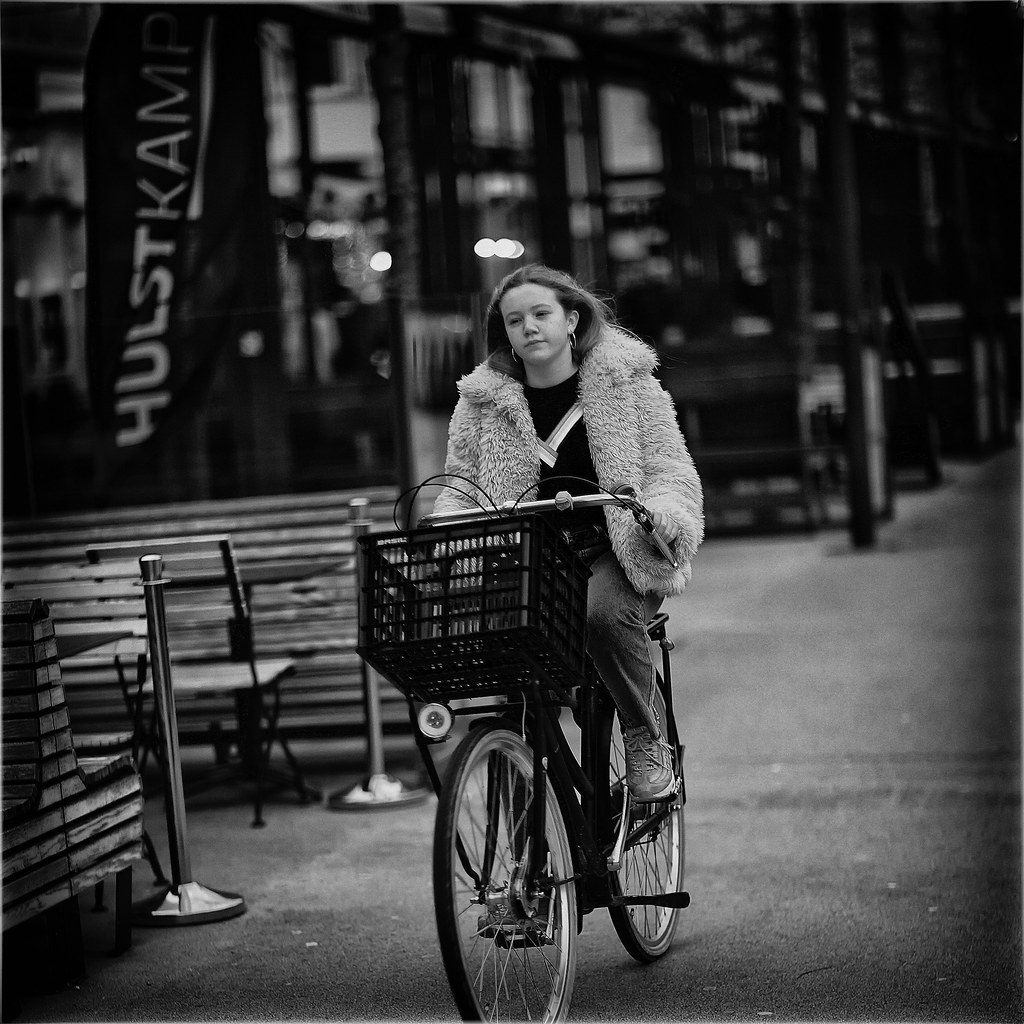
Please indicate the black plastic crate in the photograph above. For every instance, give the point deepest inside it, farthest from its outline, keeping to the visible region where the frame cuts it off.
(473, 610)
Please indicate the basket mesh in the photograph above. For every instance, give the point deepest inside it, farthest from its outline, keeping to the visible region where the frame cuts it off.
(473, 610)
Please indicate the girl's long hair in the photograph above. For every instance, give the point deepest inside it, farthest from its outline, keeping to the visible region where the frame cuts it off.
(594, 314)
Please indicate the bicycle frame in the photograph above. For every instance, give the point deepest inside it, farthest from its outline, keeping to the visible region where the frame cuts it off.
(577, 783)
(487, 620)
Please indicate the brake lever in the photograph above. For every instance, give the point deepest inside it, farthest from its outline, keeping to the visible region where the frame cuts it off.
(643, 518)
(648, 527)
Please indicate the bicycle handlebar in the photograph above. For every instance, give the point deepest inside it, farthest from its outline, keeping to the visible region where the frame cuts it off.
(563, 501)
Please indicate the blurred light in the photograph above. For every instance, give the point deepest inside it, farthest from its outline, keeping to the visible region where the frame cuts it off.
(381, 360)
(22, 156)
(77, 279)
(519, 250)
(456, 323)
(380, 261)
(317, 229)
(294, 229)
(496, 185)
(23, 288)
(484, 248)
(250, 344)
(504, 248)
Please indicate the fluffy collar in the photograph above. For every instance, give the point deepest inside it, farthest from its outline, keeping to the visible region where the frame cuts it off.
(615, 358)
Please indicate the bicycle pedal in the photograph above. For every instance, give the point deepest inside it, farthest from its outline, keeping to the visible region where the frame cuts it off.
(641, 809)
(666, 899)
(666, 798)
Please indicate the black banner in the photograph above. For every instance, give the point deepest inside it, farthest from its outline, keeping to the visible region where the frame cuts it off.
(178, 266)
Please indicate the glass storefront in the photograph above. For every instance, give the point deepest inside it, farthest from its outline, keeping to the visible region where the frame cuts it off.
(665, 191)
(46, 418)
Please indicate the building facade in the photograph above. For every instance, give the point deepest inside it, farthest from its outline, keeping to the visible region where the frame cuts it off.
(760, 188)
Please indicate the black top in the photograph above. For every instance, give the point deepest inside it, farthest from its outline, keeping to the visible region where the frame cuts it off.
(547, 407)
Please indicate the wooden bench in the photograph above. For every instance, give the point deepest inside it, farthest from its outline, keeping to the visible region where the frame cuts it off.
(68, 821)
(220, 688)
(311, 619)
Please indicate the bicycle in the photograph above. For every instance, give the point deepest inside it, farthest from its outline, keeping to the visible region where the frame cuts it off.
(490, 605)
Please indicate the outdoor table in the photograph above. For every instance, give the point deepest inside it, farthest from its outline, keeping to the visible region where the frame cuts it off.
(291, 571)
(78, 643)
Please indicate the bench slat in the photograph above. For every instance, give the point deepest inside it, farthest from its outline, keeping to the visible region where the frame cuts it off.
(312, 621)
(68, 591)
(44, 860)
(240, 510)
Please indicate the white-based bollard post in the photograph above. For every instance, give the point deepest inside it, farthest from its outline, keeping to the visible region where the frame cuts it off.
(378, 789)
(185, 901)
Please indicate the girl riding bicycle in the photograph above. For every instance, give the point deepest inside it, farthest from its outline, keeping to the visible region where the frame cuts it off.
(567, 397)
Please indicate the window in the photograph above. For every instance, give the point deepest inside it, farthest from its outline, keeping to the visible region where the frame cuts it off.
(327, 180)
(500, 204)
(583, 183)
(640, 250)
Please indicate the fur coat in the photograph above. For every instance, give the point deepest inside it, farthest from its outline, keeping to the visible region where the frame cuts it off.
(634, 438)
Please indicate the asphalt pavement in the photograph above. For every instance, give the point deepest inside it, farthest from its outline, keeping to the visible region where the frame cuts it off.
(852, 721)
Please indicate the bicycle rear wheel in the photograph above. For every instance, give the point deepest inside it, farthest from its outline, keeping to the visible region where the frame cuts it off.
(508, 941)
(652, 865)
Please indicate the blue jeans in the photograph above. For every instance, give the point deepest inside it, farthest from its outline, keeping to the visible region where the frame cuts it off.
(617, 634)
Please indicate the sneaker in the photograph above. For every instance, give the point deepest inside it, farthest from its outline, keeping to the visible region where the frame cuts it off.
(649, 773)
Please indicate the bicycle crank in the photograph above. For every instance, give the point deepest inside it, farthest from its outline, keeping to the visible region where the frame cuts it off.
(667, 899)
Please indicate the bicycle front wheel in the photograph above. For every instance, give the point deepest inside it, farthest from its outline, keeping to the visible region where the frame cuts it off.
(508, 940)
(652, 863)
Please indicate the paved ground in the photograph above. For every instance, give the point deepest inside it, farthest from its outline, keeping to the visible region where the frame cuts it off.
(853, 829)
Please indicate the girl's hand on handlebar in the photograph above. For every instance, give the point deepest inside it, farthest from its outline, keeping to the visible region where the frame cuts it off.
(664, 526)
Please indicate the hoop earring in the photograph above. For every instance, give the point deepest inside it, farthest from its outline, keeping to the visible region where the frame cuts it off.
(572, 339)
(515, 358)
